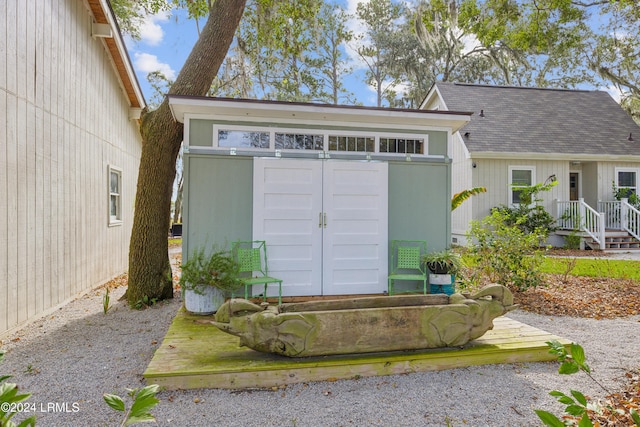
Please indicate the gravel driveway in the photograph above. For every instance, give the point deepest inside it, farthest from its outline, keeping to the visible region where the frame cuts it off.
(69, 359)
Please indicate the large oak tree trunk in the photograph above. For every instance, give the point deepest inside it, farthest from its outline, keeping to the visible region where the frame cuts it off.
(149, 268)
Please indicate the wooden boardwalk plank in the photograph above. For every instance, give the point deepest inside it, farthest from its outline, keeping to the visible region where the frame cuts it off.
(195, 354)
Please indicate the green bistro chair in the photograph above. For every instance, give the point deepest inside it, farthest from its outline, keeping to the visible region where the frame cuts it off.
(406, 264)
(251, 257)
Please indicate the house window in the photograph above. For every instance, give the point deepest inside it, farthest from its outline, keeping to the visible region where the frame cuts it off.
(402, 145)
(115, 196)
(243, 139)
(626, 181)
(519, 177)
(299, 141)
(352, 143)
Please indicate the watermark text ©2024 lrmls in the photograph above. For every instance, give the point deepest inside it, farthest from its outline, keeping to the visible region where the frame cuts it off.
(43, 407)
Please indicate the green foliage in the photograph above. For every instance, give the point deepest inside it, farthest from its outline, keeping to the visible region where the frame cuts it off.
(576, 404)
(218, 269)
(105, 301)
(11, 401)
(144, 400)
(626, 193)
(460, 197)
(597, 267)
(145, 302)
(528, 215)
(132, 13)
(572, 241)
(443, 262)
(504, 252)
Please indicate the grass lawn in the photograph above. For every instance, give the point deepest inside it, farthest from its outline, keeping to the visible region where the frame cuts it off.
(598, 267)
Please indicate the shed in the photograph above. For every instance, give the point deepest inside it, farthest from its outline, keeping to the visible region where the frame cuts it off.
(327, 187)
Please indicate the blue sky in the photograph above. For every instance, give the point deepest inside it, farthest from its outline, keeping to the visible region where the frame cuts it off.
(167, 40)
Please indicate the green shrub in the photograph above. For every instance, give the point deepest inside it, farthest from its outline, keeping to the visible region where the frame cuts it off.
(572, 241)
(504, 252)
(11, 402)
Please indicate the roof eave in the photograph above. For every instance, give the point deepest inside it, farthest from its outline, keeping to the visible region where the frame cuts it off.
(246, 110)
(115, 46)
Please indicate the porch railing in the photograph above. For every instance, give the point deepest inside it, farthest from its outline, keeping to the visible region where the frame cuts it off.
(614, 215)
(621, 216)
(577, 215)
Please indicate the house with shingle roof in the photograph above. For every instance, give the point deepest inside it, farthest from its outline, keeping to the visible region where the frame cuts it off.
(524, 136)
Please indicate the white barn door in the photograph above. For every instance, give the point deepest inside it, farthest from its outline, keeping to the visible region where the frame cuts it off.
(325, 223)
(355, 239)
(286, 206)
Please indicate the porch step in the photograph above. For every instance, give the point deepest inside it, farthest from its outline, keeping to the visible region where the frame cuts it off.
(616, 241)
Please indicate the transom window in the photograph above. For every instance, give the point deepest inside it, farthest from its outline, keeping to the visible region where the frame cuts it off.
(298, 141)
(246, 137)
(115, 196)
(243, 139)
(519, 177)
(352, 143)
(402, 145)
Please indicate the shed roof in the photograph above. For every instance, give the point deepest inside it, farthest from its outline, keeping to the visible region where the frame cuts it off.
(266, 110)
(544, 121)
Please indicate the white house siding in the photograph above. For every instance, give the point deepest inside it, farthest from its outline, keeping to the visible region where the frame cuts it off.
(494, 175)
(607, 174)
(63, 120)
(462, 179)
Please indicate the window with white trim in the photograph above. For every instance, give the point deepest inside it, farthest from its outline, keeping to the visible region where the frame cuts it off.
(352, 143)
(627, 182)
(243, 138)
(519, 177)
(299, 141)
(402, 145)
(257, 138)
(115, 196)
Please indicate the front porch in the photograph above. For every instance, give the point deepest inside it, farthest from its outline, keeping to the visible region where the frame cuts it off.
(195, 354)
(614, 225)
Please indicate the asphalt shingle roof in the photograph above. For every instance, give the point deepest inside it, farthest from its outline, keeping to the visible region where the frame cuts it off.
(548, 121)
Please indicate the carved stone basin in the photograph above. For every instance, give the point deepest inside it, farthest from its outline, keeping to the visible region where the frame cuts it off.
(364, 325)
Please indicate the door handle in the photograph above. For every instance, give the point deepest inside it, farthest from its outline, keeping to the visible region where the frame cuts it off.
(319, 219)
(325, 220)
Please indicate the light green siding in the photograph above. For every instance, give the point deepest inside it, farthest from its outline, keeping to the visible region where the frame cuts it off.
(201, 133)
(219, 200)
(438, 143)
(419, 203)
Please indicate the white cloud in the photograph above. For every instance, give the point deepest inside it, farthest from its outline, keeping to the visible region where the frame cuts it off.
(615, 93)
(151, 32)
(148, 63)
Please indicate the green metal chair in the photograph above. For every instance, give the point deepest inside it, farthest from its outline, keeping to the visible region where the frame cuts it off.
(251, 257)
(406, 263)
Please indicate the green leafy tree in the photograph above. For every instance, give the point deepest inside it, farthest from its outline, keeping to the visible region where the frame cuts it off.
(329, 61)
(149, 268)
(378, 46)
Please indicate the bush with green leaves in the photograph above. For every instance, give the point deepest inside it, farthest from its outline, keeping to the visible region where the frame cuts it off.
(10, 401)
(577, 408)
(143, 401)
(504, 252)
(626, 193)
(529, 215)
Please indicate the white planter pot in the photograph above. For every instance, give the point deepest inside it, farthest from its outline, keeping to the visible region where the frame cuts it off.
(442, 283)
(206, 302)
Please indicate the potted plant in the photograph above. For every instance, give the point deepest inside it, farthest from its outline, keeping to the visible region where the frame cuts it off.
(206, 278)
(443, 267)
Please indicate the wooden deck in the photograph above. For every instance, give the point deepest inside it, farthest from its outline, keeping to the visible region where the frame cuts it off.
(195, 354)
